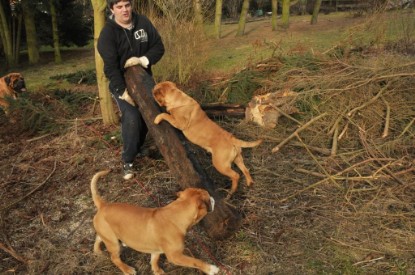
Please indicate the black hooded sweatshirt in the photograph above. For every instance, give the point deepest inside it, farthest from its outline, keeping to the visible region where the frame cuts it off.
(116, 45)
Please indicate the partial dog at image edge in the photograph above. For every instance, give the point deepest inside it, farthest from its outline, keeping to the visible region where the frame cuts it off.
(10, 86)
(151, 230)
(185, 114)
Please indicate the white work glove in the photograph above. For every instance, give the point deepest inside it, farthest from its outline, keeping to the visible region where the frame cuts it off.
(125, 96)
(143, 61)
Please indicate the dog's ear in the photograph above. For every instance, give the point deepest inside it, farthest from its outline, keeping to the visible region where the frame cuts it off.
(7, 80)
(170, 85)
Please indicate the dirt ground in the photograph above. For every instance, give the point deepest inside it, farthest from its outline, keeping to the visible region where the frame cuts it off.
(292, 222)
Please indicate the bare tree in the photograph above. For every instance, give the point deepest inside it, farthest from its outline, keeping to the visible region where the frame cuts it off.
(6, 36)
(107, 108)
(28, 9)
(316, 10)
(242, 18)
(218, 18)
(55, 32)
(285, 13)
(274, 5)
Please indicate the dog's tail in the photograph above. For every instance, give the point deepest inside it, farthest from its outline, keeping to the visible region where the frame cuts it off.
(246, 144)
(95, 197)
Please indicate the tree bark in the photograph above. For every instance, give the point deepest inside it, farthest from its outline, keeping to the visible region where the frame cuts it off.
(55, 32)
(242, 18)
(221, 110)
(31, 35)
(285, 18)
(218, 18)
(316, 10)
(6, 37)
(223, 221)
(107, 109)
(274, 6)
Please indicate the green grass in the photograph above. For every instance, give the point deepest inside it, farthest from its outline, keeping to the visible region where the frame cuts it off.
(230, 54)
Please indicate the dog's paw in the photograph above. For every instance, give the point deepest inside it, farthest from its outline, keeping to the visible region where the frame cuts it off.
(130, 271)
(158, 119)
(132, 61)
(159, 272)
(213, 270)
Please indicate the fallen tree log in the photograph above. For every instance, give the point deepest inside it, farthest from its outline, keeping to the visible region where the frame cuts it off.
(183, 164)
(228, 110)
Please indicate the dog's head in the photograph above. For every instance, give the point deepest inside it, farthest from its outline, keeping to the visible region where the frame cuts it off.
(201, 200)
(161, 90)
(15, 82)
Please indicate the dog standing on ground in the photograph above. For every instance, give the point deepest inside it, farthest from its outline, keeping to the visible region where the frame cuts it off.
(151, 230)
(185, 114)
(10, 86)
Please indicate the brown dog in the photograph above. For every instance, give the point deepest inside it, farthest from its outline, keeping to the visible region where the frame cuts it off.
(10, 86)
(186, 115)
(151, 230)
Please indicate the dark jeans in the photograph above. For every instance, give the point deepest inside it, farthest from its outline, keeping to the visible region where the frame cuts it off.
(133, 130)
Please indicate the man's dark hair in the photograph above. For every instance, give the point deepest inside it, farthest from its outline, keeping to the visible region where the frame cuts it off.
(111, 3)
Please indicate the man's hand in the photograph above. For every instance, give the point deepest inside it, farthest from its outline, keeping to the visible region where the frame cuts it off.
(143, 61)
(125, 96)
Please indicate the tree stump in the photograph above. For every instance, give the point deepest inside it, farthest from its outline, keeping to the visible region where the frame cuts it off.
(183, 164)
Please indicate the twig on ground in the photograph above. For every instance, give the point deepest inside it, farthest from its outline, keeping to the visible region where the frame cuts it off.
(282, 143)
(31, 192)
(285, 114)
(335, 140)
(373, 99)
(371, 152)
(387, 118)
(13, 253)
(406, 128)
(37, 138)
(330, 177)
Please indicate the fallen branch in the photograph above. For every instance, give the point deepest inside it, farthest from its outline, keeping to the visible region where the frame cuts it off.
(406, 128)
(285, 114)
(373, 99)
(330, 177)
(335, 140)
(12, 252)
(31, 192)
(278, 147)
(387, 118)
(37, 138)
(371, 152)
(335, 176)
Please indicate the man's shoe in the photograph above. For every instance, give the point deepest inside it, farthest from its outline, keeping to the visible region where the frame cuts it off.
(128, 171)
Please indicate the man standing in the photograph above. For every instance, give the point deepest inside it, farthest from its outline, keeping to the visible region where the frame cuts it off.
(128, 36)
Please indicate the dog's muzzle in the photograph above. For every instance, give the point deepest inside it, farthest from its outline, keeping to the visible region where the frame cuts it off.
(19, 86)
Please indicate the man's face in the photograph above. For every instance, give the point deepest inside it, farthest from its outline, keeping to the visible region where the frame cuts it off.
(122, 12)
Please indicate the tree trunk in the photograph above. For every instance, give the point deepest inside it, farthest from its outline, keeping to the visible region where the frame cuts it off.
(31, 35)
(218, 18)
(285, 13)
(55, 32)
(178, 156)
(198, 13)
(274, 15)
(316, 10)
(6, 37)
(16, 47)
(107, 108)
(242, 19)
